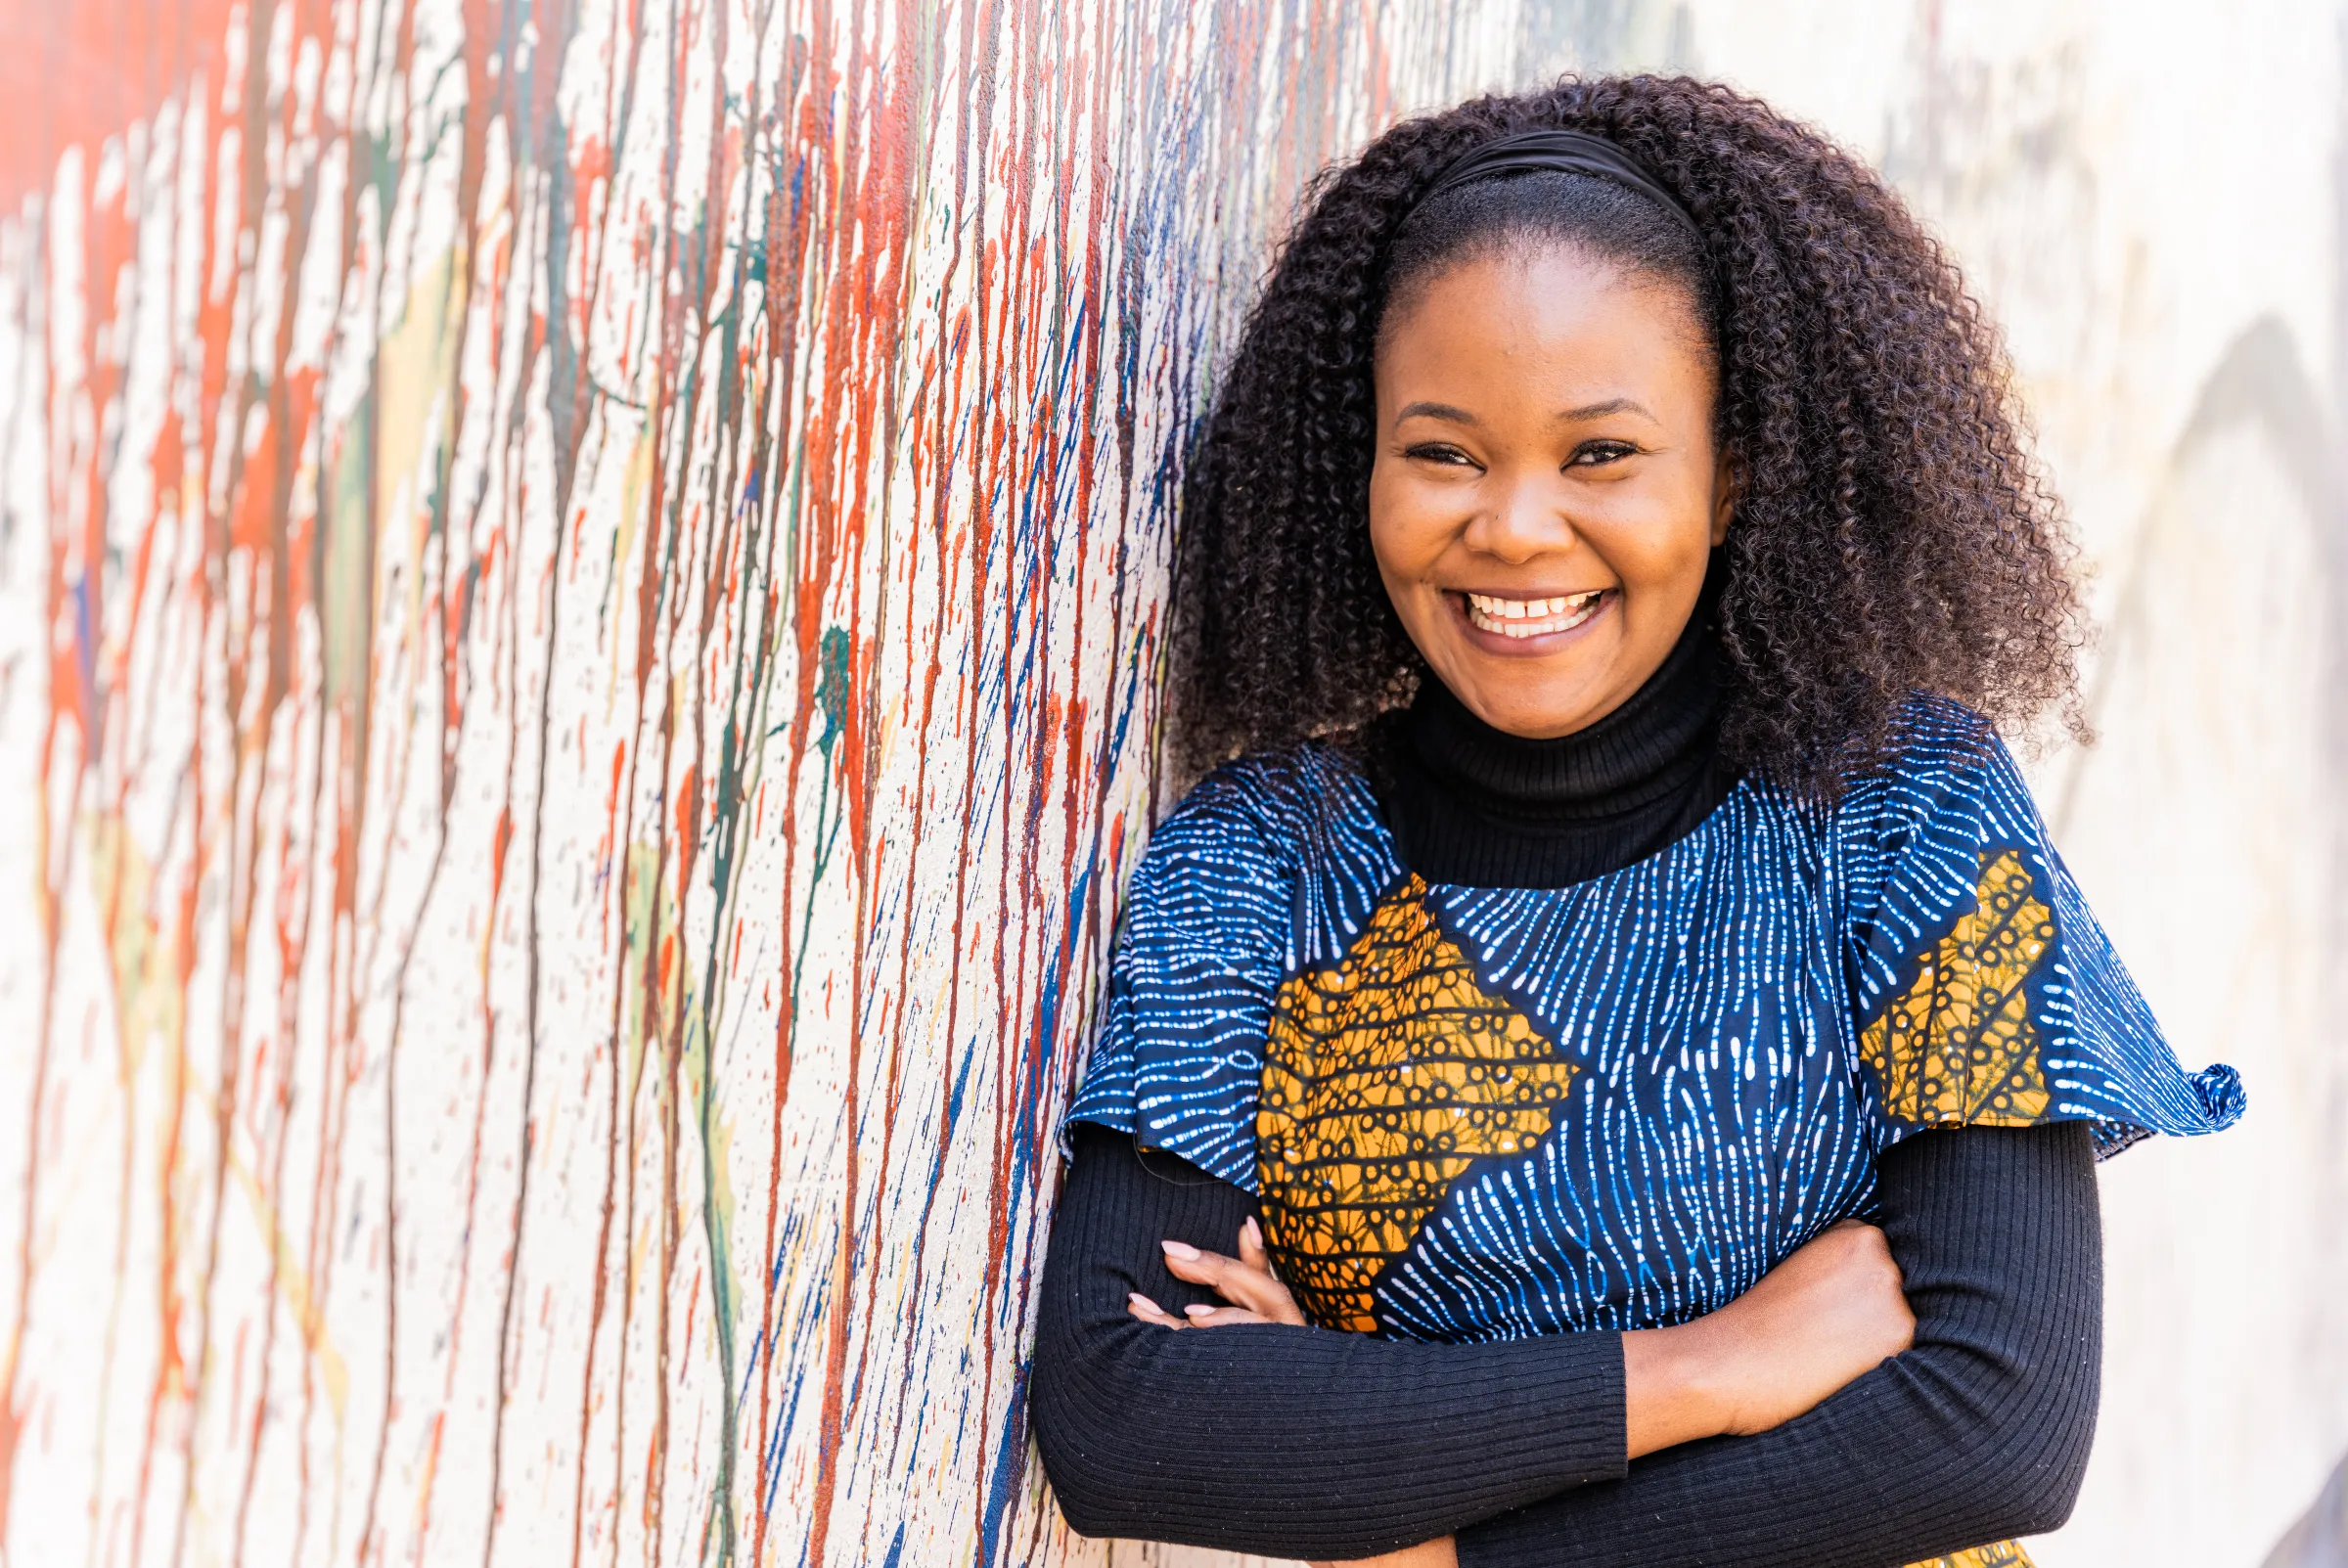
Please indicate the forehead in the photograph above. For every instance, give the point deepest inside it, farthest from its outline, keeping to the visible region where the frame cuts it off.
(1534, 306)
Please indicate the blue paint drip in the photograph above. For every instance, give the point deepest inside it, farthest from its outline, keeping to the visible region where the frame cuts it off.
(1010, 1466)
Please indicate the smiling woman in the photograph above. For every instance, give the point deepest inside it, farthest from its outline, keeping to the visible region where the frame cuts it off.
(1547, 487)
(1616, 998)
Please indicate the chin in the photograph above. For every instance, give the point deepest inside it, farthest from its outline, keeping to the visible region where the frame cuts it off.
(1539, 727)
(1533, 720)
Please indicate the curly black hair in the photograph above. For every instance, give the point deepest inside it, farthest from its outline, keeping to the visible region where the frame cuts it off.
(1891, 532)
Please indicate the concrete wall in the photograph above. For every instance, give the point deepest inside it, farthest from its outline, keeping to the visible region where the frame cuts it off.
(580, 591)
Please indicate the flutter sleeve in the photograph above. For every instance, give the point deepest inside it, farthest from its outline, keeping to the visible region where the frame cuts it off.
(1202, 945)
(1984, 993)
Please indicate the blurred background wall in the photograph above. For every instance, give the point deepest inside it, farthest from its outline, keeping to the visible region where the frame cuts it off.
(580, 596)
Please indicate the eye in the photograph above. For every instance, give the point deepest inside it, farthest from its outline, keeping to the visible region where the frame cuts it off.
(1438, 452)
(1591, 454)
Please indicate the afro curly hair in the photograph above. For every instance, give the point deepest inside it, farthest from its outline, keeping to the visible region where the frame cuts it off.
(1891, 534)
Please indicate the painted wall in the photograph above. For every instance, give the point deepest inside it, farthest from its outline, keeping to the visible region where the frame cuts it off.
(580, 599)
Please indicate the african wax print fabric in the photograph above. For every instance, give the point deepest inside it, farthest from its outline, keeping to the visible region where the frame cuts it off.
(1479, 1113)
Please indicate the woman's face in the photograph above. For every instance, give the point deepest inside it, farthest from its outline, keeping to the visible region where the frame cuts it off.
(1546, 491)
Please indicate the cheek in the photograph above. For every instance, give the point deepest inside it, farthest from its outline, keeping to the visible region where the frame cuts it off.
(1662, 578)
(1662, 561)
(1658, 541)
(1406, 533)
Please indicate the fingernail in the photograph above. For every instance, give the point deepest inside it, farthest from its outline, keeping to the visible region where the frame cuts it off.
(1255, 1233)
(1137, 1299)
(1197, 1309)
(1178, 1249)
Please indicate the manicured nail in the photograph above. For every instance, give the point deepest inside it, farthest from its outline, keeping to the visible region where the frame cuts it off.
(1256, 1234)
(1178, 1249)
(1197, 1309)
(1136, 1298)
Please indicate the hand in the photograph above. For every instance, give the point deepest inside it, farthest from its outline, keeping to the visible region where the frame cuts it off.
(1827, 1313)
(1435, 1553)
(1246, 1282)
(1258, 1297)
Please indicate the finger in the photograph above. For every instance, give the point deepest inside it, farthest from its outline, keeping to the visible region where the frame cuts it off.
(1228, 1277)
(1277, 1301)
(1150, 1311)
(1206, 1317)
(1200, 1268)
(1251, 1246)
(1235, 1281)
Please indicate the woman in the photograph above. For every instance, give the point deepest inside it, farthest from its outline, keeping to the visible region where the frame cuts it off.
(1607, 562)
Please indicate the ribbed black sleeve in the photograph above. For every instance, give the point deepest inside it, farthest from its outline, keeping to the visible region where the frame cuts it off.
(1288, 1442)
(1977, 1434)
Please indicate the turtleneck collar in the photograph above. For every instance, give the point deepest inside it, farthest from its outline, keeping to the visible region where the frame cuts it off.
(1474, 805)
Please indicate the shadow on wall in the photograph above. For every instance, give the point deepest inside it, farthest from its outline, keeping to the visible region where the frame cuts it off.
(2319, 1540)
(2207, 822)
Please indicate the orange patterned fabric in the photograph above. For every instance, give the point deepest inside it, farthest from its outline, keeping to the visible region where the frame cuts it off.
(1384, 1078)
(2004, 1554)
(1957, 1047)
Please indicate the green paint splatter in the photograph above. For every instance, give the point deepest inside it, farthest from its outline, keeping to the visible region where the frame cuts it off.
(832, 694)
(831, 700)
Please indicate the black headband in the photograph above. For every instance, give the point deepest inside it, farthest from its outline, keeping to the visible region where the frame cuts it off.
(1555, 151)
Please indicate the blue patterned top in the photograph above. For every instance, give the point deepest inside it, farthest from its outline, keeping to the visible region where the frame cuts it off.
(1480, 1113)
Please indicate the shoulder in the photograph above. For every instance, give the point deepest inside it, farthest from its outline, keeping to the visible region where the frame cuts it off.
(1947, 764)
(1267, 805)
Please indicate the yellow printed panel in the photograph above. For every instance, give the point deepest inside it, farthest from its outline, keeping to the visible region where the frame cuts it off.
(1958, 1046)
(1385, 1078)
(2000, 1555)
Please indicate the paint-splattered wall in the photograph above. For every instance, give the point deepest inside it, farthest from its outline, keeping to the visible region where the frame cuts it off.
(580, 590)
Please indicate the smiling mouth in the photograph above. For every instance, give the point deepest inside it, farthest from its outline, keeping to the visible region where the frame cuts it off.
(1532, 617)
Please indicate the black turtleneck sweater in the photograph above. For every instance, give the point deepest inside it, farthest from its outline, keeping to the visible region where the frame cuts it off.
(1479, 807)
(1306, 1443)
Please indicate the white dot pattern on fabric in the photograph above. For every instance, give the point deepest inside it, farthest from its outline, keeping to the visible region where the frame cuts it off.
(1715, 1000)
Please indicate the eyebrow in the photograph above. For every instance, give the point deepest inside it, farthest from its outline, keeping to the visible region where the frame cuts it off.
(1588, 411)
(1613, 405)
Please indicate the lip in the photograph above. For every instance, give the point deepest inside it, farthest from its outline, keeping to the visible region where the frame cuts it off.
(1504, 647)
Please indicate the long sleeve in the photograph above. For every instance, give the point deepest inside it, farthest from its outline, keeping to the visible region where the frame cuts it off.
(1283, 1441)
(1979, 1433)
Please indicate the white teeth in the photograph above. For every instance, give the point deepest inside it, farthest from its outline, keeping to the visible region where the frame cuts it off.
(1532, 617)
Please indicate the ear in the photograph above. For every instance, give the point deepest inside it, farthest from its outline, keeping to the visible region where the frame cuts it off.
(1727, 483)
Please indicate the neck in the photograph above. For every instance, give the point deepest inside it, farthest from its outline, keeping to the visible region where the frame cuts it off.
(1472, 804)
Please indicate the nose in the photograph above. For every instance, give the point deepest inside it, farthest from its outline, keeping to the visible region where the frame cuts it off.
(1525, 518)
